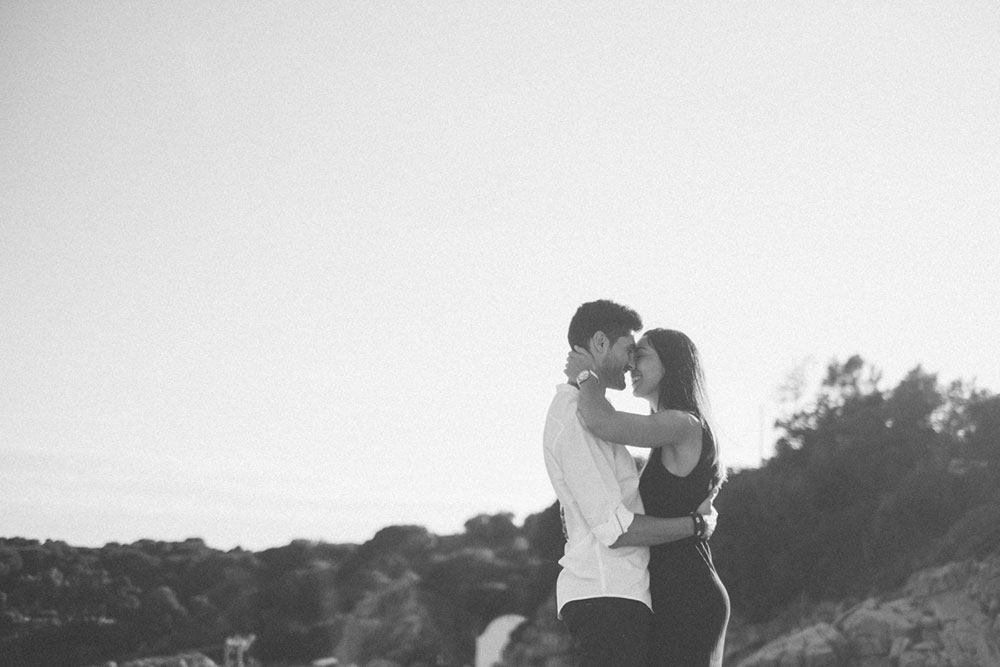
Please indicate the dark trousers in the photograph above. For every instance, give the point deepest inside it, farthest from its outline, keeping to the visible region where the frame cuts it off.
(608, 632)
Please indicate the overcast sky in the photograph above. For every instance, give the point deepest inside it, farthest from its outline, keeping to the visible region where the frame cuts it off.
(304, 270)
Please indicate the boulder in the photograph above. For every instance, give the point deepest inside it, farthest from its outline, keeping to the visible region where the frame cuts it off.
(952, 606)
(963, 599)
(820, 645)
(181, 660)
(984, 586)
(968, 642)
(922, 656)
(872, 628)
(935, 580)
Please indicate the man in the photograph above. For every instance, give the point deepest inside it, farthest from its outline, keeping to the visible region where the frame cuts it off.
(603, 589)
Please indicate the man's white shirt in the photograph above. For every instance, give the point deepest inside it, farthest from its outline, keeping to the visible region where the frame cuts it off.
(598, 488)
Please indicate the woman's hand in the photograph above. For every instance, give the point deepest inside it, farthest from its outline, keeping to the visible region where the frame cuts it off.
(578, 360)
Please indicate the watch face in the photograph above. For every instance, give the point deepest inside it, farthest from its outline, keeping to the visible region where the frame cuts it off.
(583, 376)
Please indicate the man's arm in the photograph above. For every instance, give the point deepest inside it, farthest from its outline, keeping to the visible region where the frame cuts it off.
(647, 531)
(590, 483)
(599, 497)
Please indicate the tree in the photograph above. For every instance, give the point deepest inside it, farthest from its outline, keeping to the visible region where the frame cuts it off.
(491, 530)
(859, 489)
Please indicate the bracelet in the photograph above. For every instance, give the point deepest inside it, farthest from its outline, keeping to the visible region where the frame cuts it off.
(699, 525)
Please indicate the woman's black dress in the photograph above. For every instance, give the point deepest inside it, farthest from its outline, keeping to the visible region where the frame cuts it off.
(690, 604)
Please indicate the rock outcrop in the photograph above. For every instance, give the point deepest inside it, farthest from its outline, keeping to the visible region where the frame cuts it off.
(182, 660)
(820, 645)
(188, 659)
(943, 617)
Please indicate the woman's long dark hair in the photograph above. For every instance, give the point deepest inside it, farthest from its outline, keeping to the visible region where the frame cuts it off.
(682, 386)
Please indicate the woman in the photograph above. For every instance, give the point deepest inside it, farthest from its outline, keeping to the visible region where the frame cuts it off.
(690, 604)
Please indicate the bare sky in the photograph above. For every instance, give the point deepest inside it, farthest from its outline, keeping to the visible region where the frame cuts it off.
(303, 270)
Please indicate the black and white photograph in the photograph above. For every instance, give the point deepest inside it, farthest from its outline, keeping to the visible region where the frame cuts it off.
(357, 333)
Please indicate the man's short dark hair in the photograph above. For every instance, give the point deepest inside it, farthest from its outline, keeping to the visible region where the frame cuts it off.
(614, 319)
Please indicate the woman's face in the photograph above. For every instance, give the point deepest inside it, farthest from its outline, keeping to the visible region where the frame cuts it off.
(647, 372)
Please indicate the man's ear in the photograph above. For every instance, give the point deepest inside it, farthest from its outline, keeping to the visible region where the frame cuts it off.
(599, 343)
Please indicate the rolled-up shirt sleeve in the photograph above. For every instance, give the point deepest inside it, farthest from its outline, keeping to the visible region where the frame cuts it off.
(592, 485)
(608, 532)
(597, 485)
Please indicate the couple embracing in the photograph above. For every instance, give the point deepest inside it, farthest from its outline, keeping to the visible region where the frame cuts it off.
(638, 587)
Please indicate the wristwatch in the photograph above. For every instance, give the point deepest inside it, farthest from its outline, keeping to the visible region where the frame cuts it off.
(583, 376)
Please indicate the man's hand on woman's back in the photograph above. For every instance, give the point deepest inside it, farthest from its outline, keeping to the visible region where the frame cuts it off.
(707, 510)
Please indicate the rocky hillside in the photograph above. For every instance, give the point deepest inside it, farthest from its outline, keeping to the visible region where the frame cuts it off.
(946, 616)
(943, 617)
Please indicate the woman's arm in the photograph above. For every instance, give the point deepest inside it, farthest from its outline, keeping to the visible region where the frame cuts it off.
(667, 427)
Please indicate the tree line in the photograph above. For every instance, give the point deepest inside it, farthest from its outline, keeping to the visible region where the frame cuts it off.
(866, 485)
(407, 595)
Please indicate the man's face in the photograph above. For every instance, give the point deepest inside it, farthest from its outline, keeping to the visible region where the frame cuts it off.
(617, 361)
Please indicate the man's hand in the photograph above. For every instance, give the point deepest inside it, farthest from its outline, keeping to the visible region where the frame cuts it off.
(578, 360)
(707, 510)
